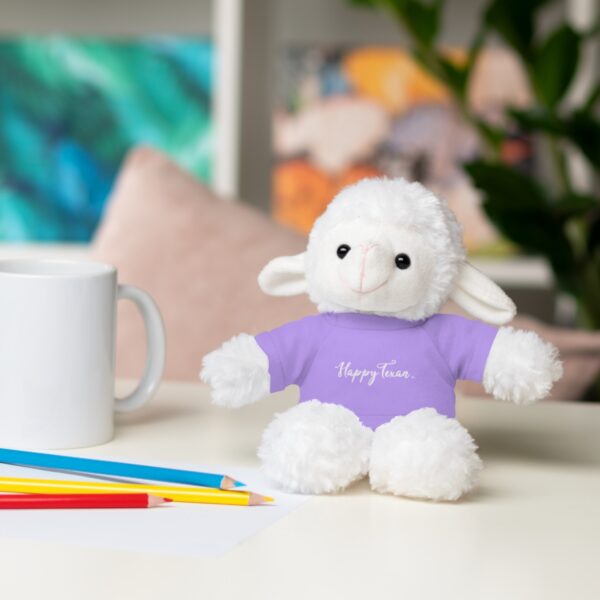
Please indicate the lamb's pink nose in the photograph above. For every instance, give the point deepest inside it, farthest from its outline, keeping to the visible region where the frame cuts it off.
(373, 268)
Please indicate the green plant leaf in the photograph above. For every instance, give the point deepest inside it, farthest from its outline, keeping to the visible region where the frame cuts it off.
(454, 76)
(592, 99)
(554, 64)
(538, 118)
(594, 236)
(536, 232)
(475, 49)
(514, 20)
(573, 205)
(583, 129)
(494, 135)
(513, 189)
(522, 211)
(421, 18)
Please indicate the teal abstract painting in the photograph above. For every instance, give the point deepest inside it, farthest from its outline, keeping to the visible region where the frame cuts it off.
(71, 108)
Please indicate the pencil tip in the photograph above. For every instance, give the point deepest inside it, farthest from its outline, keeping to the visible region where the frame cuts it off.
(157, 501)
(227, 483)
(256, 499)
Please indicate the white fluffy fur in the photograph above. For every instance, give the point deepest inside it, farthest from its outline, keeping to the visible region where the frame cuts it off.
(379, 219)
(237, 373)
(424, 455)
(318, 447)
(408, 207)
(315, 448)
(521, 367)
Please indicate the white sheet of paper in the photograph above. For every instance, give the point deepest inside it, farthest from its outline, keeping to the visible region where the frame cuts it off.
(177, 529)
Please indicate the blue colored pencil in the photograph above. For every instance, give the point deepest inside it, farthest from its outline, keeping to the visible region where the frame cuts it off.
(118, 469)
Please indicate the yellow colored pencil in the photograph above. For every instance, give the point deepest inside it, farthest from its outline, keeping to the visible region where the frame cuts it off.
(198, 495)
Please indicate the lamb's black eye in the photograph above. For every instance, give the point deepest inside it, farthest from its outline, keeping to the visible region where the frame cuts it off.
(402, 261)
(343, 250)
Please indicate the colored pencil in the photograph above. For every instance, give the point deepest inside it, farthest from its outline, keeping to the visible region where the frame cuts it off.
(176, 493)
(118, 469)
(38, 501)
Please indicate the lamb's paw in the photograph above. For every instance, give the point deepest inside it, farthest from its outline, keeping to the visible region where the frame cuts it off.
(237, 373)
(424, 455)
(521, 367)
(315, 448)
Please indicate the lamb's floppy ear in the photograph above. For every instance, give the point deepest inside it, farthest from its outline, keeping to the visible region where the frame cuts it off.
(284, 276)
(481, 297)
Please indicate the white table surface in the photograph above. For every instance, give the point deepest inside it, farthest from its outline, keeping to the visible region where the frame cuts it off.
(531, 531)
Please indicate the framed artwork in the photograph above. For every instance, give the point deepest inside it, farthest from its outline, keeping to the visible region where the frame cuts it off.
(71, 108)
(346, 113)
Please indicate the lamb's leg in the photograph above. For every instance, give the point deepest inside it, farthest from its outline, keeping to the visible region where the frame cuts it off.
(315, 448)
(424, 455)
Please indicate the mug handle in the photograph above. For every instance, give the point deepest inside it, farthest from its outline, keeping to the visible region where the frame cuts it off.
(155, 359)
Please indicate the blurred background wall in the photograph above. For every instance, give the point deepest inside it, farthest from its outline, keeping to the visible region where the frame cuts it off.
(277, 102)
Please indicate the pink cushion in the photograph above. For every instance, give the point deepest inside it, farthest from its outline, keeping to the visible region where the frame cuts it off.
(197, 255)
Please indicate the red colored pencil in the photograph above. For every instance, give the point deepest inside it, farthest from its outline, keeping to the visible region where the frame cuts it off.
(25, 501)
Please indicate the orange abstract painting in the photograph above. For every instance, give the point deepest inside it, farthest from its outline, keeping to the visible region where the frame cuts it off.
(347, 113)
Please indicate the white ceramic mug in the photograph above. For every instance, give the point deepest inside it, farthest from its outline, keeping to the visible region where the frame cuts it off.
(57, 349)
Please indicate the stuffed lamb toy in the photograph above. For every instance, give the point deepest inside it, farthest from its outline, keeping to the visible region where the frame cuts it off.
(377, 367)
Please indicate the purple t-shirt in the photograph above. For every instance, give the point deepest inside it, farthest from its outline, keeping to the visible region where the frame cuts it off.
(378, 367)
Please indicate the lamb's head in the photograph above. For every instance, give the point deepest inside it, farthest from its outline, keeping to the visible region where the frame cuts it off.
(387, 247)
